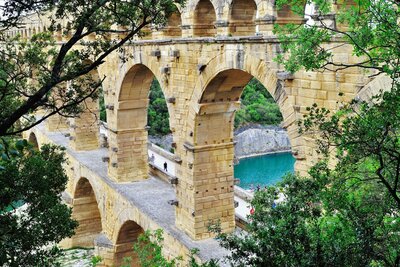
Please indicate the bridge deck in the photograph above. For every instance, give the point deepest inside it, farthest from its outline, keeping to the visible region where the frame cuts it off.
(149, 196)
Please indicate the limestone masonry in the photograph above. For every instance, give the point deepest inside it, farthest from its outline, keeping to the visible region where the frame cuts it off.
(203, 59)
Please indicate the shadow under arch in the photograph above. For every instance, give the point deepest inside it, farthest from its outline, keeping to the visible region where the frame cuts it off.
(33, 140)
(204, 19)
(85, 210)
(127, 236)
(242, 18)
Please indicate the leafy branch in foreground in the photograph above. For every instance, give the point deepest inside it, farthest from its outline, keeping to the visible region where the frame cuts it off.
(34, 73)
(370, 27)
(28, 236)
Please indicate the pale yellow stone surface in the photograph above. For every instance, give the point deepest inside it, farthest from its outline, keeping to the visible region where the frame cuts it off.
(205, 78)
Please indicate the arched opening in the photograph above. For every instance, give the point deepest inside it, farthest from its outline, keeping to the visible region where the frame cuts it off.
(213, 147)
(242, 19)
(173, 27)
(204, 19)
(127, 237)
(33, 140)
(132, 124)
(85, 210)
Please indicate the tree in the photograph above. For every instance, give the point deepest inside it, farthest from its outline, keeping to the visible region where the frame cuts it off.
(37, 178)
(34, 75)
(346, 211)
(149, 251)
(34, 72)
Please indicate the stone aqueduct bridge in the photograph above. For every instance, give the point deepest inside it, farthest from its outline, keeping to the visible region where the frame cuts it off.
(202, 59)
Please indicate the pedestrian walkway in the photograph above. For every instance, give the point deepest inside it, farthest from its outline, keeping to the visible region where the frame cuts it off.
(159, 161)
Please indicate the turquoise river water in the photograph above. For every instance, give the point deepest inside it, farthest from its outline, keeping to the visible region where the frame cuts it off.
(263, 170)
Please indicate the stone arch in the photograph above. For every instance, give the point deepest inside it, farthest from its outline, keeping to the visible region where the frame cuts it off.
(174, 23)
(33, 140)
(130, 125)
(204, 19)
(242, 17)
(127, 236)
(266, 74)
(380, 84)
(86, 211)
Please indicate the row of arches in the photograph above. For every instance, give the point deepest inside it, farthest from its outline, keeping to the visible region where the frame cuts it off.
(236, 18)
(86, 211)
(209, 123)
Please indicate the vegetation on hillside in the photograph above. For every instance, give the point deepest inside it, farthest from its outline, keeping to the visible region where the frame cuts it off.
(157, 114)
(258, 106)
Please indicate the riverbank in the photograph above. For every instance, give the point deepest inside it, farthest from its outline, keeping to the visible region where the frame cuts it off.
(250, 141)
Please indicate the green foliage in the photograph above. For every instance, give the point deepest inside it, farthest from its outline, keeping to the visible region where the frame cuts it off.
(37, 178)
(34, 73)
(258, 106)
(371, 28)
(157, 116)
(346, 212)
(149, 250)
(95, 260)
(103, 111)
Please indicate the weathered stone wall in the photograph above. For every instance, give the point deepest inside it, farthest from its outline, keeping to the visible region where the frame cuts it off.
(202, 80)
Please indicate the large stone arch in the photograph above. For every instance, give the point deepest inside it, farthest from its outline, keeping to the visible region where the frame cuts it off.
(126, 237)
(129, 226)
(266, 73)
(204, 18)
(86, 211)
(242, 17)
(128, 133)
(207, 169)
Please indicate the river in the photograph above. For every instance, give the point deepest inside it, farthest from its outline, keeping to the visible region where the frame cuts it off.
(263, 170)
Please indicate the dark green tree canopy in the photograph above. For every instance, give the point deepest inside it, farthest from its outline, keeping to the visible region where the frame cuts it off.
(34, 73)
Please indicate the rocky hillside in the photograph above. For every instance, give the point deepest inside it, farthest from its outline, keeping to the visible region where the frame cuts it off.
(260, 140)
(250, 140)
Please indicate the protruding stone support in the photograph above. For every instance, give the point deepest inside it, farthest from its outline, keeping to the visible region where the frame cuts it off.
(85, 129)
(128, 155)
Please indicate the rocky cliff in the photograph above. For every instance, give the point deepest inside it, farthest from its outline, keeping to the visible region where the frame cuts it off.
(251, 140)
(260, 140)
